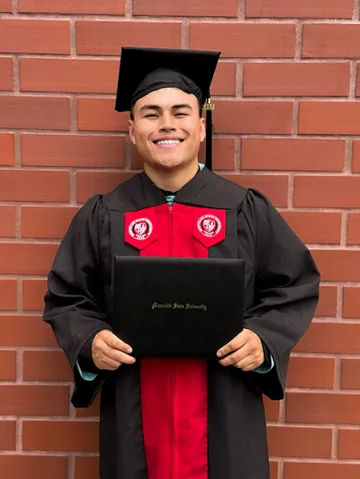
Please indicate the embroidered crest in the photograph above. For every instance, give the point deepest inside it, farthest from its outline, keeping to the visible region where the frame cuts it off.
(209, 225)
(140, 229)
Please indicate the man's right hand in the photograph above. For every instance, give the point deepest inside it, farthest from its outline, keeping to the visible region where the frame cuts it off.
(109, 352)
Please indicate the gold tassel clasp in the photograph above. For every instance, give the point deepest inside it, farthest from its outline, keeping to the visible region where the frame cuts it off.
(208, 105)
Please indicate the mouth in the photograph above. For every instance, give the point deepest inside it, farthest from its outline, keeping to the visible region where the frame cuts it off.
(168, 142)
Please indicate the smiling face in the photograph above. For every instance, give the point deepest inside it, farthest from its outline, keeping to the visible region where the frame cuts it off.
(167, 129)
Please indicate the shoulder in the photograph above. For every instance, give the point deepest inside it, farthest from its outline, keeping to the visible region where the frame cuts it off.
(256, 202)
(91, 213)
(93, 205)
(259, 213)
(121, 197)
(245, 198)
(223, 191)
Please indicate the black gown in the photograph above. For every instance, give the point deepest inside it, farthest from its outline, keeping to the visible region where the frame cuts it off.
(282, 288)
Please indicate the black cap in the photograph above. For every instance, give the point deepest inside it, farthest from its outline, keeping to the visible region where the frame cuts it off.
(143, 70)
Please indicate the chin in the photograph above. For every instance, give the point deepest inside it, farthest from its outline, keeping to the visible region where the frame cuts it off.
(169, 163)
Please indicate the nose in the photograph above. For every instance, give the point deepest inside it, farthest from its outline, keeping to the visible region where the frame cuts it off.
(167, 123)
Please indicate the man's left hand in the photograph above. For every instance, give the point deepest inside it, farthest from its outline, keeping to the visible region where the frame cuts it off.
(246, 351)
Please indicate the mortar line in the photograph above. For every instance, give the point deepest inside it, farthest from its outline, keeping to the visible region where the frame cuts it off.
(128, 8)
(356, 11)
(353, 80)
(242, 10)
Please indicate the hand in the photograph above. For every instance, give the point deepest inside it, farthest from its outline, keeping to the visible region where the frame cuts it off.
(247, 351)
(109, 352)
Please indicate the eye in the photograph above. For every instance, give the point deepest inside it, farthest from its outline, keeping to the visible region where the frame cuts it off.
(151, 115)
(181, 114)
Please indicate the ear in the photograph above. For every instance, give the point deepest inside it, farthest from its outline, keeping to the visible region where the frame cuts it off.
(202, 129)
(131, 132)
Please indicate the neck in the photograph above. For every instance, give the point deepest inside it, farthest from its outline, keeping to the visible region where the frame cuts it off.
(172, 179)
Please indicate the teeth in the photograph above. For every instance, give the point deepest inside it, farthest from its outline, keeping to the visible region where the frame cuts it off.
(168, 142)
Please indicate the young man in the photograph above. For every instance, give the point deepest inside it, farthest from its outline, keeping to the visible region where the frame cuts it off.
(179, 418)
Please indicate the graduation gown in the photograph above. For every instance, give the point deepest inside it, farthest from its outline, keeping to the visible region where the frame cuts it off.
(171, 418)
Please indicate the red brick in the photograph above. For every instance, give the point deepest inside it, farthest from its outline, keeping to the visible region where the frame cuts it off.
(73, 150)
(7, 435)
(294, 9)
(93, 411)
(90, 183)
(7, 149)
(27, 258)
(7, 370)
(272, 409)
(311, 470)
(331, 41)
(200, 8)
(356, 157)
(46, 221)
(68, 75)
(320, 408)
(274, 470)
(6, 68)
(296, 79)
(351, 306)
(36, 112)
(275, 187)
(6, 6)
(358, 81)
(7, 221)
(34, 36)
(223, 153)
(323, 337)
(39, 467)
(136, 159)
(354, 229)
(250, 116)
(348, 447)
(60, 436)
(24, 331)
(329, 118)
(314, 227)
(224, 82)
(313, 372)
(350, 377)
(34, 400)
(99, 114)
(338, 265)
(34, 185)
(327, 191)
(33, 291)
(86, 467)
(8, 297)
(46, 366)
(327, 305)
(290, 154)
(106, 38)
(291, 441)
(244, 40)
(109, 7)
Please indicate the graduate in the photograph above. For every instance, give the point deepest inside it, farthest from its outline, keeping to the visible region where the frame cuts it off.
(170, 418)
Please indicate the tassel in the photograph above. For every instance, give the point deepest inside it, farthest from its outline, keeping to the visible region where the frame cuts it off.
(208, 107)
(208, 161)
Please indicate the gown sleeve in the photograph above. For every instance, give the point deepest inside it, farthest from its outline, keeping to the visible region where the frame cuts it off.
(286, 289)
(74, 301)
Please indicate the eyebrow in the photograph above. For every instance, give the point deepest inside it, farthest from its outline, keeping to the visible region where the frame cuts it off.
(158, 108)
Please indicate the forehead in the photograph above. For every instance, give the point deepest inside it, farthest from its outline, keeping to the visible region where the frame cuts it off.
(166, 98)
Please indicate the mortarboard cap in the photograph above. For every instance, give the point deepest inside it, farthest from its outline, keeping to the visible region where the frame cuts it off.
(143, 70)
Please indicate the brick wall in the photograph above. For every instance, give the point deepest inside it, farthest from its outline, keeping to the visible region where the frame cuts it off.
(287, 122)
